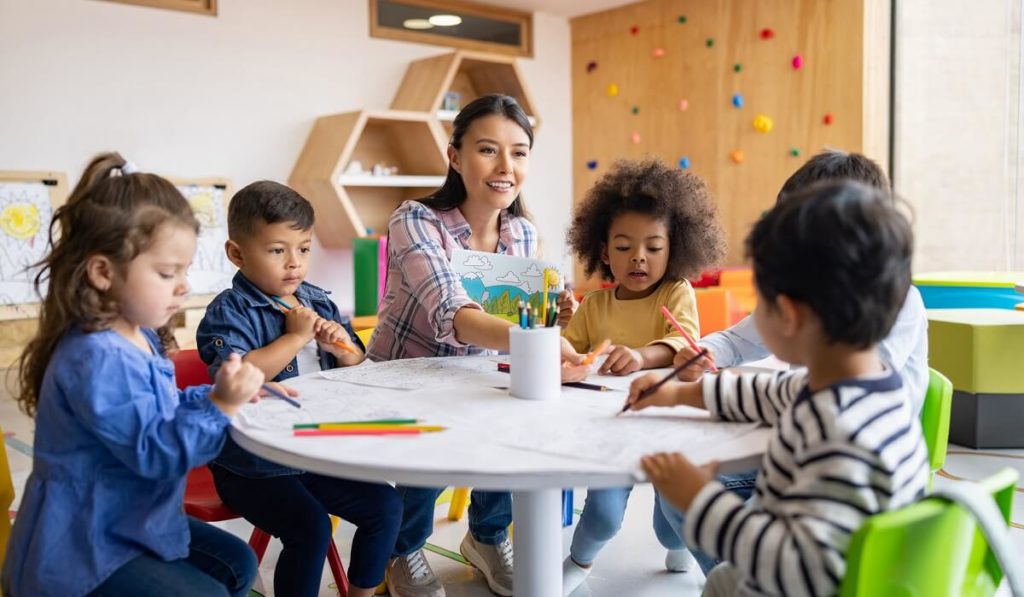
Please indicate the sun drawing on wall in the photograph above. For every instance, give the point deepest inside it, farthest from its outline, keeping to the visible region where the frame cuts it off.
(25, 213)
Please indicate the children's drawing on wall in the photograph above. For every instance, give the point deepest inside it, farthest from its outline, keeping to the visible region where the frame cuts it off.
(211, 271)
(498, 282)
(25, 214)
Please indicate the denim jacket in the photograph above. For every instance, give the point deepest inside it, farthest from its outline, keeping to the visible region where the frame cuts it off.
(241, 319)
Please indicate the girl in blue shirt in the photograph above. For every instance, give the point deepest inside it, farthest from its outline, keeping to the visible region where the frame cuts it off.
(102, 509)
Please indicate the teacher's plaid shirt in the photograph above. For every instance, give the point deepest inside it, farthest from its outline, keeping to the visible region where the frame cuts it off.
(416, 317)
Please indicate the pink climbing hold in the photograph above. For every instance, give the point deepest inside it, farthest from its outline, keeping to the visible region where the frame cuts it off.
(798, 62)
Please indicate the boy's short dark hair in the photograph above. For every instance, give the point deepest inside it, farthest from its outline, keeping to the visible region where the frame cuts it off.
(269, 202)
(679, 198)
(841, 248)
(833, 164)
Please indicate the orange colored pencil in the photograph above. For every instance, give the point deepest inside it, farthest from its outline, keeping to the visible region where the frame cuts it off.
(671, 319)
(589, 359)
(284, 307)
(356, 432)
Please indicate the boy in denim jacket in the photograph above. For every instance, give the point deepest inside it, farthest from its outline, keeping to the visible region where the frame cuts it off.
(270, 230)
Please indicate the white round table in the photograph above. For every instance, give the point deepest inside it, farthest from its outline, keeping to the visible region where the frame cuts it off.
(492, 441)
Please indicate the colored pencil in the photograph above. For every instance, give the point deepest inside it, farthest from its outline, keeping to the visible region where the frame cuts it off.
(367, 422)
(665, 379)
(281, 396)
(589, 359)
(384, 427)
(285, 307)
(671, 319)
(354, 432)
(586, 386)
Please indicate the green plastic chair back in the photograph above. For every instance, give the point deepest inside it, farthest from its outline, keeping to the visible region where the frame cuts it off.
(935, 419)
(932, 548)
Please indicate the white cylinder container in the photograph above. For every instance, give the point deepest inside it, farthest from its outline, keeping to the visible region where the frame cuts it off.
(535, 363)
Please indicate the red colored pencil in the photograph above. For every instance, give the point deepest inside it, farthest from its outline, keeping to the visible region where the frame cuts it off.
(671, 319)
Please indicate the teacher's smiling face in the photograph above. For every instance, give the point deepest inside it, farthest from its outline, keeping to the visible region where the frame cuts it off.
(493, 161)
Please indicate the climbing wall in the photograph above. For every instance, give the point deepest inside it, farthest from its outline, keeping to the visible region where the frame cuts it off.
(741, 92)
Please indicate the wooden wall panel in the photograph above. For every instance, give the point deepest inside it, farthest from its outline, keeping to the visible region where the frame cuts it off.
(828, 34)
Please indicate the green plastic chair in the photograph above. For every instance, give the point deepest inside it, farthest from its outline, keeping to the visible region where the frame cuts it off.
(931, 548)
(938, 400)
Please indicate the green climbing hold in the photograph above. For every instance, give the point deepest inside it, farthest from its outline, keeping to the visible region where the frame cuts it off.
(737, 67)
(794, 151)
(682, 19)
(636, 110)
(710, 42)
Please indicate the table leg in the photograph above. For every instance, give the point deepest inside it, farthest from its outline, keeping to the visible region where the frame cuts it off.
(538, 543)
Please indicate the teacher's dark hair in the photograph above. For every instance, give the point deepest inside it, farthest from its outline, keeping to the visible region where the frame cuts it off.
(453, 192)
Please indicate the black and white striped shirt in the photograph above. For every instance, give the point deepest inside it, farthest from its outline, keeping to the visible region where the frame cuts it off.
(837, 456)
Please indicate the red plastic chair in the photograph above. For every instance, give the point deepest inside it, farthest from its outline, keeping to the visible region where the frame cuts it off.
(201, 499)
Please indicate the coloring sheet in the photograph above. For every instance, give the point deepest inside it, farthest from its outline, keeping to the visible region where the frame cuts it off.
(412, 374)
(497, 282)
(25, 214)
(211, 272)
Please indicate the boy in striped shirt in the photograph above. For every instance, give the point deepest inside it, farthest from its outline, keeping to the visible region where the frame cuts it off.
(832, 267)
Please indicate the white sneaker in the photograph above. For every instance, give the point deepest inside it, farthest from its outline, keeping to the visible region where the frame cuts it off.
(679, 560)
(573, 576)
(411, 576)
(495, 561)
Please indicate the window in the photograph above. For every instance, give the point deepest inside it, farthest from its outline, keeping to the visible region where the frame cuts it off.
(455, 24)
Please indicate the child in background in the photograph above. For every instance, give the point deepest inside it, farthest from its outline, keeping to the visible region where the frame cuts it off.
(648, 227)
(270, 232)
(101, 513)
(832, 268)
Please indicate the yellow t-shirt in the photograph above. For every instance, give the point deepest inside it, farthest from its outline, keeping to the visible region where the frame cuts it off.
(634, 323)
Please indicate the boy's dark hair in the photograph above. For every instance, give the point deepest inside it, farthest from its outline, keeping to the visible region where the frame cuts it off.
(841, 248)
(677, 197)
(269, 202)
(833, 164)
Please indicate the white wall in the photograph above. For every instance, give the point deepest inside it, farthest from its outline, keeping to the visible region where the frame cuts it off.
(959, 155)
(235, 96)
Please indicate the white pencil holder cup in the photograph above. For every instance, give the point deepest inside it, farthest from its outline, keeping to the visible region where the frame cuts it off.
(536, 363)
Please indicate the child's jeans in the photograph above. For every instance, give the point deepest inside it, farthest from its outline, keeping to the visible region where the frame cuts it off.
(602, 518)
(218, 563)
(490, 513)
(742, 484)
(295, 508)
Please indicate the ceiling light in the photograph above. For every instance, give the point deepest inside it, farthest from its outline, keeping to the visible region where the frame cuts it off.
(417, 24)
(445, 20)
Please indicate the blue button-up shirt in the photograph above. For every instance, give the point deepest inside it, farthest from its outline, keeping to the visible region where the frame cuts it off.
(243, 318)
(114, 441)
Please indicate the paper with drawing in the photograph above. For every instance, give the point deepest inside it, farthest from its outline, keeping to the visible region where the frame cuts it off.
(497, 282)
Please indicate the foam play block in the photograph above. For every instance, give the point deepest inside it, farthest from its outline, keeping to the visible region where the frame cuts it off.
(969, 290)
(979, 350)
(714, 308)
(987, 420)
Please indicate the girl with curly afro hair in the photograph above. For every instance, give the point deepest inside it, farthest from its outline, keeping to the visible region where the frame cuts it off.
(648, 227)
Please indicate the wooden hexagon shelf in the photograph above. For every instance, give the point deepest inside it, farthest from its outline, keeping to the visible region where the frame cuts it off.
(471, 74)
(347, 204)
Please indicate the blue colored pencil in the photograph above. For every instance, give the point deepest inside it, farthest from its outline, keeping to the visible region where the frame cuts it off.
(281, 396)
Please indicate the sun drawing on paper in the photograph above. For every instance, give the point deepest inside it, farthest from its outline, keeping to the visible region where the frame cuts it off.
(25, 214)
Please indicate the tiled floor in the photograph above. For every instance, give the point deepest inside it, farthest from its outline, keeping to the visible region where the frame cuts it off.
(632, 564)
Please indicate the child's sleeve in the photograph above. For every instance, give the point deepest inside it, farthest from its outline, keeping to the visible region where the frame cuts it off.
(760, 397)
(112, 394)
(682, 303)
(736, 345)
(221, 333)
(576, 331)
(415, 239)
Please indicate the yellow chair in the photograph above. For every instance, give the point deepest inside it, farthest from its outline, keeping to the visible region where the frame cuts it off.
(364, 335)
(6, 499)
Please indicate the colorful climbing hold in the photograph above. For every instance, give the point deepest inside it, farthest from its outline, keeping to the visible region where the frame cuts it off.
(592, 165)
(682, 19)
(763, 124)
(613, 90)
(710, 42)
(737, 67)
(767, 33)
(684, 162)
(737, 100)
(683, 105)
(636, 110)
(591, 66)
(798, 62)
(794, 151)
(828, 119)
(634, 30)
(635, 137)
(736, 156)
(658, 52)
